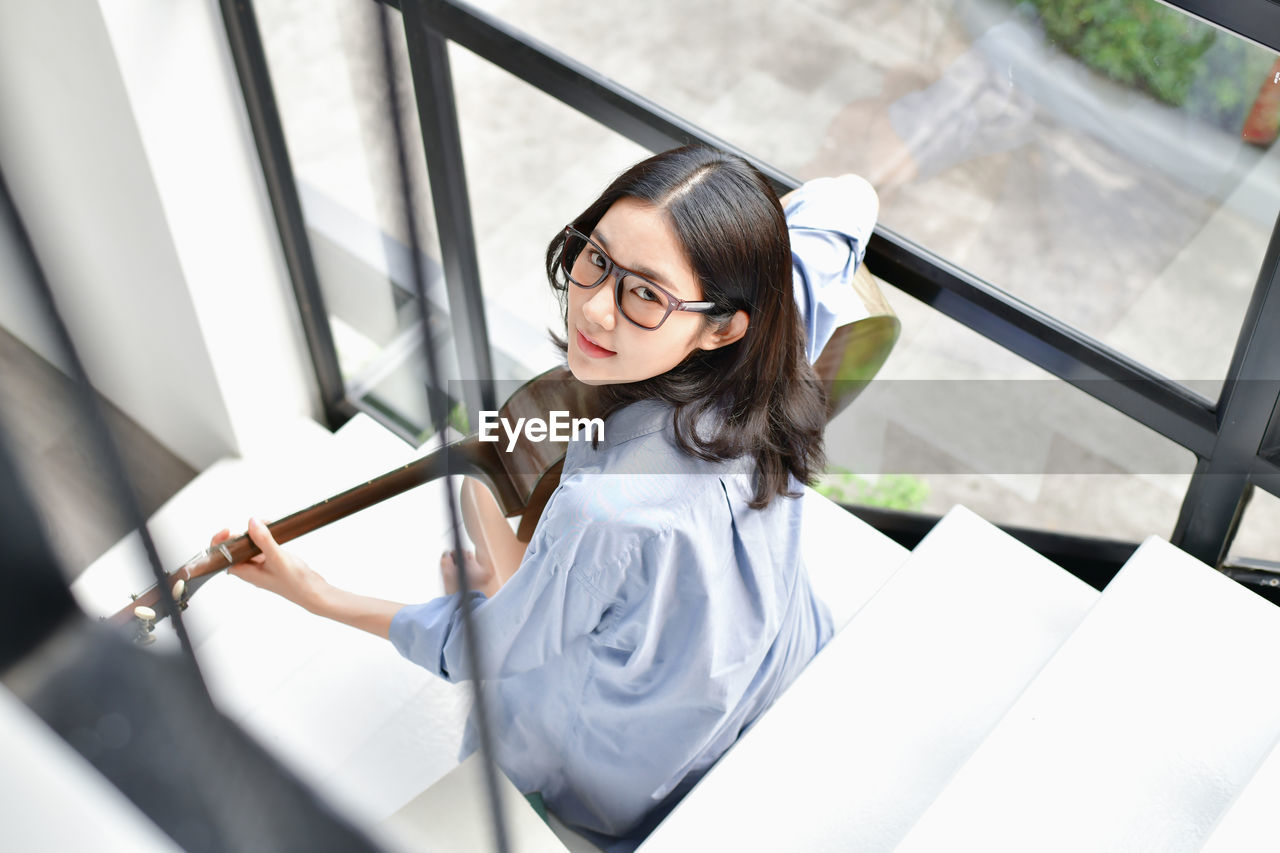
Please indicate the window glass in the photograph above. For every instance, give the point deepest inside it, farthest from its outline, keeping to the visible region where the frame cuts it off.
(1108, 161)
(533, 164)
(953, 418)
(1258, 536)
(326, 72)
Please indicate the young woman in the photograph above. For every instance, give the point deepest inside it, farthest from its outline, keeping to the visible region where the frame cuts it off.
(661, 604)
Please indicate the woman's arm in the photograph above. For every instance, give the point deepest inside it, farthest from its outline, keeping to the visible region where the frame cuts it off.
(288, 576)
(497, 548)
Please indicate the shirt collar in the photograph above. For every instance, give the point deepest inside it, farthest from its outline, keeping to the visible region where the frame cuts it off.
(644, 417)
(634, 420)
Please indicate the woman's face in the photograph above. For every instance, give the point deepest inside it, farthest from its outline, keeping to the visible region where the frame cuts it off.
(604, 347)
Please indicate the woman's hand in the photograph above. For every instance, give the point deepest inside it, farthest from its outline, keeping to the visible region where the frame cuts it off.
(276, 570)
(480, 575)
(498, 551)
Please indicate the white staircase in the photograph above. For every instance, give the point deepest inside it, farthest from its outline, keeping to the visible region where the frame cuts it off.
(873, 730)
(1249, 826)
(979, 702)
(975, 697)
(342, 708)
(1137, 734)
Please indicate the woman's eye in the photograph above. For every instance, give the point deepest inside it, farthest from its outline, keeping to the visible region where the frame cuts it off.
(595, 258)
(646, 293)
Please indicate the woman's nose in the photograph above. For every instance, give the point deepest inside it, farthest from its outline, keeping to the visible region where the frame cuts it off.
(600, 308)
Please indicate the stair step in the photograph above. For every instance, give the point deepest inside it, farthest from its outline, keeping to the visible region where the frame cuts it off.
(1249, 826)
(306, 463)
(828, 536)
(1139, 731)
(452, 816)
(873, 729)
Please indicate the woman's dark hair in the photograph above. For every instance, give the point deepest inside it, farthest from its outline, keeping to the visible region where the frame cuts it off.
(728, 219)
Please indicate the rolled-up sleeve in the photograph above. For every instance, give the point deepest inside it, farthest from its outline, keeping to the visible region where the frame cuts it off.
(556, 598)
(830, 221)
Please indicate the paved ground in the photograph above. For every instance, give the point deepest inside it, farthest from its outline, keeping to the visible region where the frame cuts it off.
(1019, 165)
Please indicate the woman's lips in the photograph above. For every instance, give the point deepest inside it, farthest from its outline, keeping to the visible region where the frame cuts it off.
(591, 349)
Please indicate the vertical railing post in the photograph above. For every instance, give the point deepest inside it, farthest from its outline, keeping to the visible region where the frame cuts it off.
(1220, 486)
(438, 118)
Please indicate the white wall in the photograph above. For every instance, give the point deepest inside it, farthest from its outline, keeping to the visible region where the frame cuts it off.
(19, 311)
(124, 140)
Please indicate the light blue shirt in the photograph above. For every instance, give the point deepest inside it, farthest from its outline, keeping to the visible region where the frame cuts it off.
(655, 615)
(830, 220)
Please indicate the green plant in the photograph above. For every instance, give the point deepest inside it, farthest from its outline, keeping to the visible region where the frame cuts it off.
(1138, 42)
(458, 419)
(890, 491)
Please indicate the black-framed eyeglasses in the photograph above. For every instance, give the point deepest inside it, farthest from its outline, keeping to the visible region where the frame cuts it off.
(642, 302)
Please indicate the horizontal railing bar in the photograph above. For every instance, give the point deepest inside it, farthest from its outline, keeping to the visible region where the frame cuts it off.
(571, 82)
(1157, 402)
(1255, 20)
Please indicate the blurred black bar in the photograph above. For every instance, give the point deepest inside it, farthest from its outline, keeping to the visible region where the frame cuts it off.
(143, 720)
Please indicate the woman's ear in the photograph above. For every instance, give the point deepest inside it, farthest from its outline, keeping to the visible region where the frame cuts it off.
(726, 333)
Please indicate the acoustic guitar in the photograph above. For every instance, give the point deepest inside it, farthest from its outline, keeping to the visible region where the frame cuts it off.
(523, 479)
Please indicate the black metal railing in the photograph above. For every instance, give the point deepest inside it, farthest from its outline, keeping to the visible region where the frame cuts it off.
(1234, 440)
(1225, 435)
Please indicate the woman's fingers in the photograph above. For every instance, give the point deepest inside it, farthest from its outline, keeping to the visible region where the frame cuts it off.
(479, 575)
(262, 537)
(257, 559)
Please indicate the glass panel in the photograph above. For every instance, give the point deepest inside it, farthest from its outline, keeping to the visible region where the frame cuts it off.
(1259, 534)
(955, 419)
(326, 70)
(1108, 161)
(532, 165)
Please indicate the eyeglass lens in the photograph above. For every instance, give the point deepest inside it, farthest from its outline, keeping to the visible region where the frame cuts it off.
(587, 265)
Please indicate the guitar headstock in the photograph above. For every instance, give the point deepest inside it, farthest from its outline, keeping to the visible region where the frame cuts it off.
(150, 607)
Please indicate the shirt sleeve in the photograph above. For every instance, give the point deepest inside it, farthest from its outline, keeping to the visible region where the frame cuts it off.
(559, 595)
(830, 221)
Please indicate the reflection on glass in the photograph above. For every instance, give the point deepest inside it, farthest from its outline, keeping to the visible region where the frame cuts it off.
(326, 71)
(1108, 161)
(964, 422)
(532, 165)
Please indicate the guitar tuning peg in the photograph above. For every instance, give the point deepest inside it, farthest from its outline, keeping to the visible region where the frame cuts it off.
(178, 589)
(146, 623)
